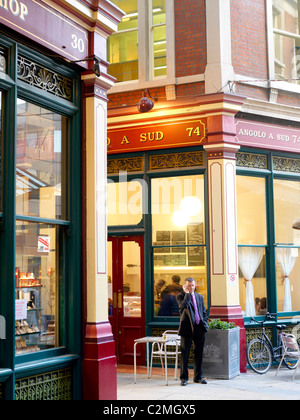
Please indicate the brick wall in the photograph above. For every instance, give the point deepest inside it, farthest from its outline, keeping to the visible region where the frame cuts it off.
(249, 38)
(190, 37)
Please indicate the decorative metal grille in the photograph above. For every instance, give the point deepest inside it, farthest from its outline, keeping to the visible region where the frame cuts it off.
(251, 160)
(56, 385)
(176, 160)
(45, 79)
(2, 59)
(252, 333)
(133, 164)
(286, 165)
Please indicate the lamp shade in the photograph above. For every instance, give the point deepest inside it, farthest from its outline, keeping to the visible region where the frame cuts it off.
(296, 225)
(145, 103)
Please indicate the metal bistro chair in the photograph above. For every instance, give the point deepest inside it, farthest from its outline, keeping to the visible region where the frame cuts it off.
(290, 348)
(165, 349)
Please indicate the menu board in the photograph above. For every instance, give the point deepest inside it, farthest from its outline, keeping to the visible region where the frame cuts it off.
(195, 236)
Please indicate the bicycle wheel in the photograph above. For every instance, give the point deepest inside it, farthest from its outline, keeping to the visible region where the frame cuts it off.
(259, 356)
(289, 360)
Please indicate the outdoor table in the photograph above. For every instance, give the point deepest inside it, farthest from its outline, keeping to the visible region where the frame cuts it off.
(147, 340)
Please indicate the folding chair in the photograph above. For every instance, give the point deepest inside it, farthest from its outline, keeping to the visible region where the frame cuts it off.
(290, 348)
(165, 349)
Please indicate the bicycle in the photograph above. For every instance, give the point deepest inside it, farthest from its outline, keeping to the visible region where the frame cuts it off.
(261, 353)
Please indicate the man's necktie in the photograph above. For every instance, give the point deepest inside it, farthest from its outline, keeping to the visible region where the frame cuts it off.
(197, 316)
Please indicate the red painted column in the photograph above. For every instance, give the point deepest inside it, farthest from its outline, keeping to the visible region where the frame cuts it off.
(99, 374)
(99, 365)
(221, 151)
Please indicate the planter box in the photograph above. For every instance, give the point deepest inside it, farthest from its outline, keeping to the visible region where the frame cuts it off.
(221, 358)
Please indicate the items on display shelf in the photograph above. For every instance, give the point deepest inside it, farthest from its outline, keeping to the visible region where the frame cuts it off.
(34, 330)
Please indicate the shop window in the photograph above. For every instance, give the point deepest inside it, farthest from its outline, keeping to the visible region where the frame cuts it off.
(252, 240)
(178, 239)
(124, 203)
(36, 287)
(40, 152)
(40, 196)
(138, 51)
(287, 204)
(286, 40)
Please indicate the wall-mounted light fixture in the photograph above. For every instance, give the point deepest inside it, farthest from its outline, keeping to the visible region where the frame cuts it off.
(96, 65)
(145, 103)
(296, 225)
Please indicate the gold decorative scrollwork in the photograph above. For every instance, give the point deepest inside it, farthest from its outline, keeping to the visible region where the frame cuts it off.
(176, 160)
(132, 164)
(251, 160)
(286, 164)
(45, 79)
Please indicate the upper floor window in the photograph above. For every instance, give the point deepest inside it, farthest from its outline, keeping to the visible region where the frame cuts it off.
(138, 51)
(286, 39)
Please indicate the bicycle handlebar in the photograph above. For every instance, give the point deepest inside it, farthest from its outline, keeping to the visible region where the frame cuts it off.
(268, 316)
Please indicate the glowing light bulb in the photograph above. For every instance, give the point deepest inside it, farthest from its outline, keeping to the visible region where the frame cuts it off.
(180, 218)
(191, 206)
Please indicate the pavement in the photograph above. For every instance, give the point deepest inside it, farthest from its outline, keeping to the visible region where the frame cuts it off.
(246, 386)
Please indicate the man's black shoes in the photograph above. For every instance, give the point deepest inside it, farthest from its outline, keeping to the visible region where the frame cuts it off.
(197, 381)
(184, 382)
(200, 381)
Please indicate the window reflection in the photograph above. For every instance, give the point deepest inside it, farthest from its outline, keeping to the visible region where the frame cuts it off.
(178, 239)
(36, 287)
(287, 205)
(251, 222)
(40, 153)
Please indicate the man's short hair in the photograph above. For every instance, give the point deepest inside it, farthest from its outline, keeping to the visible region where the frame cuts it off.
(190, 279)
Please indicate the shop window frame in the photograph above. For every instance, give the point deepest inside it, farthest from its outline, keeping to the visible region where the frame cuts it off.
(147, 174)
(270, 174)
(70, 238)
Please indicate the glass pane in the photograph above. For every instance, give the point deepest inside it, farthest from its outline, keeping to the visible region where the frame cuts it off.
(160, 51)
(252, 281)
(286, 16)
(122, 49)
(251, 210)
(131, 279)
(287, 277)
(171, 267)
(110, 278)
(176, 202)
(36, 287)
(158, 12)
(41, 138)
(287, 211)
(124, 203)
(123, 56)
(286, 47)
(177, 208)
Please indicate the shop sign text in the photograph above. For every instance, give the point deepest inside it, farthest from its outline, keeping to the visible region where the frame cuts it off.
(163, 135)
(268, 136)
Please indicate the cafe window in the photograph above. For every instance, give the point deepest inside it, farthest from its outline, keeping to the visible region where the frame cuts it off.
(138, 51)
(286, 39)
(287, 205)
(40, 197)
(252, 240)
(124, 202)
(178, 239)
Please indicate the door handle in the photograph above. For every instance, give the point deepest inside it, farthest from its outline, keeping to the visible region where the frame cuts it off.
(115, 300)
(120, 300)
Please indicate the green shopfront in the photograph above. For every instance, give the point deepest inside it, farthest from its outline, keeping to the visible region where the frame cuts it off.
(40, 226)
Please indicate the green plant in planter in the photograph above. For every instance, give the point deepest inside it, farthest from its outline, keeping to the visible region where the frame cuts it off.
(217, 324)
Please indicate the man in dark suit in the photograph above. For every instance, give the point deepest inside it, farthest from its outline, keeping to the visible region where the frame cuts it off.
(193, 327)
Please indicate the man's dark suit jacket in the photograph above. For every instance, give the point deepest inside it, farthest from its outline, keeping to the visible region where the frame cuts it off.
(187, 313)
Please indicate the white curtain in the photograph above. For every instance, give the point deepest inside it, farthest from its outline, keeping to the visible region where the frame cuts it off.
(249, 260)
(286, 261)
